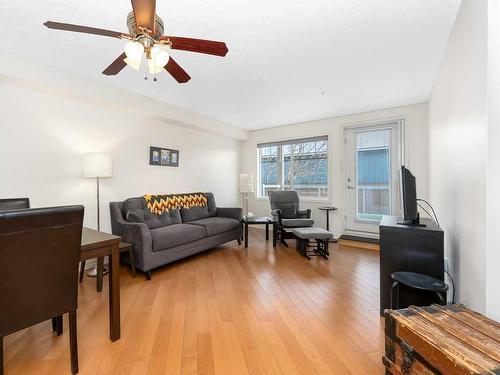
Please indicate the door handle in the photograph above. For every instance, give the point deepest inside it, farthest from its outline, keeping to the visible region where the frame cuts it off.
(351, 187)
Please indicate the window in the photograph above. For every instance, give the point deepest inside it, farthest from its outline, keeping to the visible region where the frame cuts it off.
(300, 164)
(373, 158)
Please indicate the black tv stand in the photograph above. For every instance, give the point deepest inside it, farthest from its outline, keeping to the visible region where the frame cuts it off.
(409, 248)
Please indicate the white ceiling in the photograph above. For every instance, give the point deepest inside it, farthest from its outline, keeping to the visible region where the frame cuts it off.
(288, 61)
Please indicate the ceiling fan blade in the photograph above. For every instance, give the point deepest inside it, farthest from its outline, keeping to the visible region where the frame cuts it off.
(209, 47)
(83, 29)
(176, 71)
(144, 12)
(116, 66)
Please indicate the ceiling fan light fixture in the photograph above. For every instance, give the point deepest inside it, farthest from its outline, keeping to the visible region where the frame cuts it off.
(146, 31)
(134, 50)
(134, 64)
(159, 57)
(153, 68)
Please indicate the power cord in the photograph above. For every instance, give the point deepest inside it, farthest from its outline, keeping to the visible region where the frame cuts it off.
(422, 207)
(433, 212)
(437, 222)
(453, 286)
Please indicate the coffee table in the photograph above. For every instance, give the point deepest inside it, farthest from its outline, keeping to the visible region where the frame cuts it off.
(265, 220)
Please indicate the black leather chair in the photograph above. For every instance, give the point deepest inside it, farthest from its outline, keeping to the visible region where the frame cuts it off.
(8, 204)
(287, 214)
(39, 252)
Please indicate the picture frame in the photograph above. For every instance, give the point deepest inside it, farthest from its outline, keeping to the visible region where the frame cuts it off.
(165, 157)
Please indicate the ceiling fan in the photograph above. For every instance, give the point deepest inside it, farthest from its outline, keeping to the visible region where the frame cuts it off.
(146, 39)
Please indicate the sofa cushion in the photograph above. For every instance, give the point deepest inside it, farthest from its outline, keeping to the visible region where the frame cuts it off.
(216, 225)
(312, 233)
(175, 235)
(153, 221)
(297, 223)
(194, 213)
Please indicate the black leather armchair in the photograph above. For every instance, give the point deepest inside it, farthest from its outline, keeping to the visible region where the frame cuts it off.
(287, 214)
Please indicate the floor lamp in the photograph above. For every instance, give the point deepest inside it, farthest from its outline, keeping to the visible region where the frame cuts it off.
(246, 186)
(97, 165)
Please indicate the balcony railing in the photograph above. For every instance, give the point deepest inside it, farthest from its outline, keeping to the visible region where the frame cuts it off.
(373, 201)
(311, 191)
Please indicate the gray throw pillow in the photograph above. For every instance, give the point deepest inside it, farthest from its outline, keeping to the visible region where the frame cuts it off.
(134, 204)
(288, 211)
(194, 213)
(152, 220)
(135, 216)
(165, 219)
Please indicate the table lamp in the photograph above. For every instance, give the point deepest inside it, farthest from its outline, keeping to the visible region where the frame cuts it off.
(246, 186)
(97, 165)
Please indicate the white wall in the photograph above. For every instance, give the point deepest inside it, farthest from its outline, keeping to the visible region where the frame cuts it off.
(416, 118)
(492, 257)
(458, 151)
(49, 118)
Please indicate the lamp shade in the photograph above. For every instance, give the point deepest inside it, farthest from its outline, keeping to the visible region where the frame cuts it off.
(97, 164)
(246, 183)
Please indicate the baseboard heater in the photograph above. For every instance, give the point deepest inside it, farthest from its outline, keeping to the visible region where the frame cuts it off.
(359, 239)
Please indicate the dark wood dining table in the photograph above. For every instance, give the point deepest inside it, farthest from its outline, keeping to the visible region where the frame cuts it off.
(96, 245)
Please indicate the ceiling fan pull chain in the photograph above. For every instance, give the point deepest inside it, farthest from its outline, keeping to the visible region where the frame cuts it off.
(144, 66)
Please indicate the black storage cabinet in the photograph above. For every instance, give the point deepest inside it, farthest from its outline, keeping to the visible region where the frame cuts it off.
(413, 249)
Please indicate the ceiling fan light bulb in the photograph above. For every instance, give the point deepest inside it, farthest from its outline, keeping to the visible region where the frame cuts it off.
(161, 59)
(154, 51)
(135, 64)
(159, 56)
(134, 50)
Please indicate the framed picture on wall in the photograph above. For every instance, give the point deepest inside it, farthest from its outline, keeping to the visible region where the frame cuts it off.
(165, 157)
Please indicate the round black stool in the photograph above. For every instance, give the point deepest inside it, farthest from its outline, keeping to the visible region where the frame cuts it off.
(416, 281)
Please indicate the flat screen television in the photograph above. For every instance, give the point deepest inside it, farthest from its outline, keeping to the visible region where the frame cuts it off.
(408, 198)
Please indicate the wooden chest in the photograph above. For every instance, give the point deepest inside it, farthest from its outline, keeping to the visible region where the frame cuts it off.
(444, 340)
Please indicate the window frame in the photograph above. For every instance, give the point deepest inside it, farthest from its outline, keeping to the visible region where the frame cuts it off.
(282, 142)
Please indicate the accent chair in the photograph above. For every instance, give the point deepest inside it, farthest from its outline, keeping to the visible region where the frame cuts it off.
(287, 214)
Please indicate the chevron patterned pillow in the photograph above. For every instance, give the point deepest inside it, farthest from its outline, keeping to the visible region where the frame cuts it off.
(160, 203)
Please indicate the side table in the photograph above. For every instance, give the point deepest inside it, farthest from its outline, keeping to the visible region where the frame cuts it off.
(129, 248)
(327, 210)
(417, 281)
(263, 221)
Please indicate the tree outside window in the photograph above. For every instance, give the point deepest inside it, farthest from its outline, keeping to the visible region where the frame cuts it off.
(300, 165)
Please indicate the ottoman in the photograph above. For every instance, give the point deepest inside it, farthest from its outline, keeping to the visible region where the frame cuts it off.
(305, 235)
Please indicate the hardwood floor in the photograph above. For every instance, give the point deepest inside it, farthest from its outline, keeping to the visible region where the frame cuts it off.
(360, 245)
(230, 310)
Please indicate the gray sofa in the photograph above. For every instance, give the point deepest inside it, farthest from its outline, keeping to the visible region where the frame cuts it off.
(176, 234)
